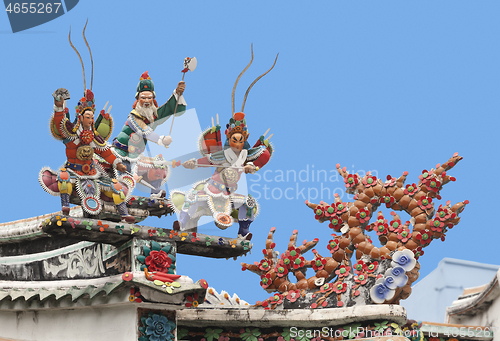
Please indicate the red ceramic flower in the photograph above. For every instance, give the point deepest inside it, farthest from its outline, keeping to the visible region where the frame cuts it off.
(395, 225)
(404, 234)
(388, 200)
(320, 212)
(293, 295)
(363, 215)
(424, 237)
(333, 245)
(372, 267)
(426, 175)
(192, 301)
(369, 181)
(299, 262)
(341, 208)
(281, 270)
(127, 276)
(443, 214)
(286, 260)
(336, 223)
(330, 211)
(430, 181)
(339, 287)
(292, 252)
(276, 299)
(437, 225)
(203, 284)
(411, 189)
(326, 287)
(319, 263)
(135, 295)
(361, 279)
(434, 185)
(342, 271)
(351, 180)
(359, 267)
(425, 203)
(418, 252)
(381, 226)
(265, 265)
(158, 261)
(265, 280)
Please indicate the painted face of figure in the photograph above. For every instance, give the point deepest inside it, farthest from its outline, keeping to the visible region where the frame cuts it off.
(146, 99)
(236, 142)
(87, 119)
(156, 174)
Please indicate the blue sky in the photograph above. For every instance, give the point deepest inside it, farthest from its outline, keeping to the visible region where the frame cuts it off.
(386, 86)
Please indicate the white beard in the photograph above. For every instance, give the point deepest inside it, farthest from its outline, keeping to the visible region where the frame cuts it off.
(149, 113)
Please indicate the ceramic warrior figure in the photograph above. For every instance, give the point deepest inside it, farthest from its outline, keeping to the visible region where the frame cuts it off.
(217, 196)
(81, 172)
(83, 139)
(143, 120)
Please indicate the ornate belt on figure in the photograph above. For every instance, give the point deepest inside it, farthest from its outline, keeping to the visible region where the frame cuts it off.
(222, 187)
(85, 168)
(127, 149)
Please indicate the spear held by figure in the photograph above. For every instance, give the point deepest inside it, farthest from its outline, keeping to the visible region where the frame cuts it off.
(189, 65)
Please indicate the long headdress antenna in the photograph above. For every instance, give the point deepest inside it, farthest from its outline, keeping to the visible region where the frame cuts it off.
(81, 61)
(255, 81)
(237, 79)
(91, 60)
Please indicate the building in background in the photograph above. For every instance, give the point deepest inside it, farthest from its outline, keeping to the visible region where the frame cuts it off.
(442, 286)
(478, 306)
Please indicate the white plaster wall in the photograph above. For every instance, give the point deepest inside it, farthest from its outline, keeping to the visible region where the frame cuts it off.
(96, 324)
(433, 293)
(488, 317)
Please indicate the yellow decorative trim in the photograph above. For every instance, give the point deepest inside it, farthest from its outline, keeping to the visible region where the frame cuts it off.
(53, 130)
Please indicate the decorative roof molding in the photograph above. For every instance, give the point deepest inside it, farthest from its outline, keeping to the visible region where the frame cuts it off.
(291, 317)
(188, 243)
(476, 302)
(40, 295)
(216, 300)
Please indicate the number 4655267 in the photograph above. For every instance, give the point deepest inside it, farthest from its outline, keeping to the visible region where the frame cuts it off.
(33, 7)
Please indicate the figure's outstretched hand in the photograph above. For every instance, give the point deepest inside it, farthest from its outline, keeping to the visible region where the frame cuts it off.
(60, 95)
(190, 164)
(167, 140)
(180, 88)
(249, 169)
(121, 167)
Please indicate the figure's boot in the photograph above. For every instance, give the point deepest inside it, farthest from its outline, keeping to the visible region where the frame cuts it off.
(176, 226)
(244, 231)
(65, 203)
(122, 209)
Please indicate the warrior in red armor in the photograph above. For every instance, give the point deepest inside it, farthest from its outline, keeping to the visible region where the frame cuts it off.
(83, 138)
